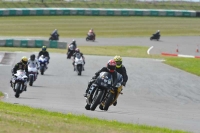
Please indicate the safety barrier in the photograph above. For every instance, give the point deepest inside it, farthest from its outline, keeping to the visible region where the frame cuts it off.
(94, 12)
(32, 43)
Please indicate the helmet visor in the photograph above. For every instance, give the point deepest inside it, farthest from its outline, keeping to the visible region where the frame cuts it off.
(119, 63)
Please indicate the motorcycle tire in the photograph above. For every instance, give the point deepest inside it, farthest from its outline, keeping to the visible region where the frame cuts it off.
(42, 71)
(18, 86)
(87, 107)
(108, 101)
(87, 39)
(31, 80)
(96, 100)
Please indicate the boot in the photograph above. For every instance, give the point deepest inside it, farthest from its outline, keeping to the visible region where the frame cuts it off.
(115, 103)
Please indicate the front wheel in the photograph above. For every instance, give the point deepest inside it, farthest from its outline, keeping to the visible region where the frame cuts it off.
(108, 101)
(87, 39)
(96, 100)
(87, 107)
(17, 88)
(31, 80)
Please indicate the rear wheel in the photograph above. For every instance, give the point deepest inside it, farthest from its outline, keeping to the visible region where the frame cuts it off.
(42, 71)
(96, 100)
(31, 80)
(108, 101)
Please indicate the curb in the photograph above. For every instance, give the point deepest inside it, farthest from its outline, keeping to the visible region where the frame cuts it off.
(180, 55)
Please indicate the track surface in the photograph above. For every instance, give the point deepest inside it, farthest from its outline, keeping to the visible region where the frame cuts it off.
(156, 94)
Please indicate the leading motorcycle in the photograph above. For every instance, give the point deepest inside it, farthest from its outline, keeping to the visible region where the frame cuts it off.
(32, 73)
(154, 36)
(19, 82)
(55, 37)
(104, 91)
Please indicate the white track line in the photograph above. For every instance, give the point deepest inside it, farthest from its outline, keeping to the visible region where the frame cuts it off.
(148, 51)
(6, 94)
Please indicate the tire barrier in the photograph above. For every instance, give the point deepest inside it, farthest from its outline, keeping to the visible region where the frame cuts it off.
(95, 12)
(32, 43)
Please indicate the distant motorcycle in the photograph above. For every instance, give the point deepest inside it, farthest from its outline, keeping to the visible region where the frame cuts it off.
(56, 37)
(79, 64)
(43, 64)
(154, 36)
(90, 38)
(19, 82)
(71, 50)
(32, 73)
(103, 91)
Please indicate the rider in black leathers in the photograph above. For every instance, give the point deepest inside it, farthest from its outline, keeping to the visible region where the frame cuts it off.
(44, 52)
(22, 65)
(55, 34)
(111, 66)
(122, 70)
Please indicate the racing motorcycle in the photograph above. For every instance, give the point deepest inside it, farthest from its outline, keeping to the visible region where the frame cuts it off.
(71, 50)
(32, 73)
(19, 82)
(154, 36)
(90, 38)
(79, 63)
(43, 64)
(56, 37)
(104, 91)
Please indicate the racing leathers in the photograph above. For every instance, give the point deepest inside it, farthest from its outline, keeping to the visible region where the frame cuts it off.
(45, 53)
(91, 33)
(35, 62)
(104, 69)
(74, 56)
(19, 66)
(122, 71)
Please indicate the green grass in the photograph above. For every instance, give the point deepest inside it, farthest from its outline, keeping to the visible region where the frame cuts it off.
(1, 94)
(24, 119)
(190, 65)
(116, 26)
(105, 4)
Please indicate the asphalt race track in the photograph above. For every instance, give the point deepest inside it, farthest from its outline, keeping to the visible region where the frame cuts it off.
(156, 94)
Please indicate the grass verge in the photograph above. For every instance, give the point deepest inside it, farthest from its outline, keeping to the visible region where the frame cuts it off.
(104, 26)
(1, 95)
(25, 119)
(105, 4)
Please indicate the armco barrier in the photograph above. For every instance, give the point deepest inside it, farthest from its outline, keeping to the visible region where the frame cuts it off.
(32, 43)
(94, 12)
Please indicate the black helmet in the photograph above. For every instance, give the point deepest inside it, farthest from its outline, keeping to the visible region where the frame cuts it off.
(32, 57)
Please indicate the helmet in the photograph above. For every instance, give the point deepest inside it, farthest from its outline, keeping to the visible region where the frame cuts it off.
(118, 60)
(44, 48)
(32, 57)
(111, 65)
(24, 60)
(77, 50)
(158, 31)
(73, 41)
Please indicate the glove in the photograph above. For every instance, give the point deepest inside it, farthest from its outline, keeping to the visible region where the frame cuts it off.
(94, 77)
(124, 83)
(12, 74)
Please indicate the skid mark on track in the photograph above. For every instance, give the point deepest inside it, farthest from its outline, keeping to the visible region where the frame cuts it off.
(8, 59)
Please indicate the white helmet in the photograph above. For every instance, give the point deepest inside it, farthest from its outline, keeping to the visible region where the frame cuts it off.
(158, 31)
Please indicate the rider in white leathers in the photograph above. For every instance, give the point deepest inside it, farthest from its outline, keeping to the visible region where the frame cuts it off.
(33, 60)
